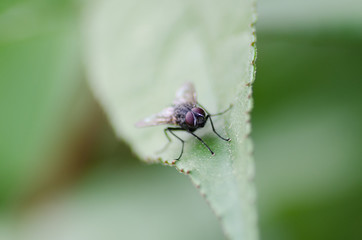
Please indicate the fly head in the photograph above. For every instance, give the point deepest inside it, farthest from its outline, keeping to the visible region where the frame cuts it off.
(195, 118)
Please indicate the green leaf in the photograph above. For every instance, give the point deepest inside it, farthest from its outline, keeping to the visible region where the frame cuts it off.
(139, 53)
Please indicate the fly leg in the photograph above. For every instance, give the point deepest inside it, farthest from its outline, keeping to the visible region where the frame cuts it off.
(213, 129)
(167, 144)
(220, 113)
(202, 142)
(212, 124)
(170, 129)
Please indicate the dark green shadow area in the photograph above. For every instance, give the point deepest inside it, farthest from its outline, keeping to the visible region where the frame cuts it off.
(307, 134)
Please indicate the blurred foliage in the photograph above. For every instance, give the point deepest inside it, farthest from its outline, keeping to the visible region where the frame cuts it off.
(64, 175)
(308, 100)
(39, 69)
(120, 198)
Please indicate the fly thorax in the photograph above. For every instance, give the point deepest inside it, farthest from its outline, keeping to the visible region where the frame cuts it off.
(180, 113)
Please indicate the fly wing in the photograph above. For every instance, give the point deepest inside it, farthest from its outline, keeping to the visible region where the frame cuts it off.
(186, 94)
(163, 117)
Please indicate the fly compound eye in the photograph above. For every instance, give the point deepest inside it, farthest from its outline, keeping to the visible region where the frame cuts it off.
(199, 111)
(190, 119)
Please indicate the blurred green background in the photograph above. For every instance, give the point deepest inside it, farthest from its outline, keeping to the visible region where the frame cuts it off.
(64, 175)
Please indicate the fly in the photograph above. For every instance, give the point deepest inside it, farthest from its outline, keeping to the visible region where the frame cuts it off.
(186, 113)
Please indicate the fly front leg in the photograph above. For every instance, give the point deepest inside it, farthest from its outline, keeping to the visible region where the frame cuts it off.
(212, 123)
(213, 129)
(216, 114)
